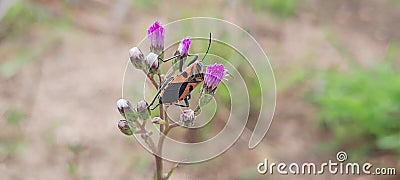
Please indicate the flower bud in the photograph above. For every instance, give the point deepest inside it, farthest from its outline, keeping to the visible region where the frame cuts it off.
(151, 61)
(125, 108)
(157, 120)
(187, 117)
(124, 127)
(183, 48)
(143, 110)
(214, 75)
(156, 33)
(137, 57)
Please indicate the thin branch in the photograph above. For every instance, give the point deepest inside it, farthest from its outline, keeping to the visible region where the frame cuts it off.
(151, 77)
(164, 130)
(171, 171)
(159, 163)
(159, 77)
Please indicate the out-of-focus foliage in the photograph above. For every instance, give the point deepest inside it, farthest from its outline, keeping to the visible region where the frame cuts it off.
(11, 137)
(361, 107)
(10, 67)
(22, 15)
(18, 26)
(14, 117)
(18, 17)
(396, 2)
(283, 8)
(145, 4)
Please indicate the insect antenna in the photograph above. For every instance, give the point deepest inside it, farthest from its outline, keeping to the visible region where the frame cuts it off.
(208, 48)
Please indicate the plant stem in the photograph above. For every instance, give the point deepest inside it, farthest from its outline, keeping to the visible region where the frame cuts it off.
(158, 152)
(162, 117)
(159, 167)
(163, 135)
(151, 77)
(159, 164)
(164, 129)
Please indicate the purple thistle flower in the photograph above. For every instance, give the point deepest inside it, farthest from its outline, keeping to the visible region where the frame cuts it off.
(183, 48)
(214, 75)
(155, 33)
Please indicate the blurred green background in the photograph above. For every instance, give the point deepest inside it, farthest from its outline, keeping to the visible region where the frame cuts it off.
(61, 66)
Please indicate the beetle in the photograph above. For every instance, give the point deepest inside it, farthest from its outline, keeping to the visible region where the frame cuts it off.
(178, 88)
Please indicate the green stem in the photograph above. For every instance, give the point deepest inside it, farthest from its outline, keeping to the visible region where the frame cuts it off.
(171, 171)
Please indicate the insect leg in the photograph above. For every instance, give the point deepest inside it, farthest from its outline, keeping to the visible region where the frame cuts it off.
(155, 106)
(154, 99)
(181, 65)
(168, 59)
(187, 101)
(184, 105)
(159, 91)
(194, 59)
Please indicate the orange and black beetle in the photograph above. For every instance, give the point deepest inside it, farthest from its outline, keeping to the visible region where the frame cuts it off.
(178, 88)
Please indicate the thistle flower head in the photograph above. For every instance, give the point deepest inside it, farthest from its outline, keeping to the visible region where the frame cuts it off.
(187, 117)
(183, 48)
(214, 75)
(156, 33)
(143, 110)
(136, 57)
(124, 127)
(151, 61)
(125, 108)
(142, 106)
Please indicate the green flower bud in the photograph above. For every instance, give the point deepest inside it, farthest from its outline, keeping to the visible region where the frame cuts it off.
(137, 58)
(124, 127)
(151, 61)
(143, 110)
(125, 108)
